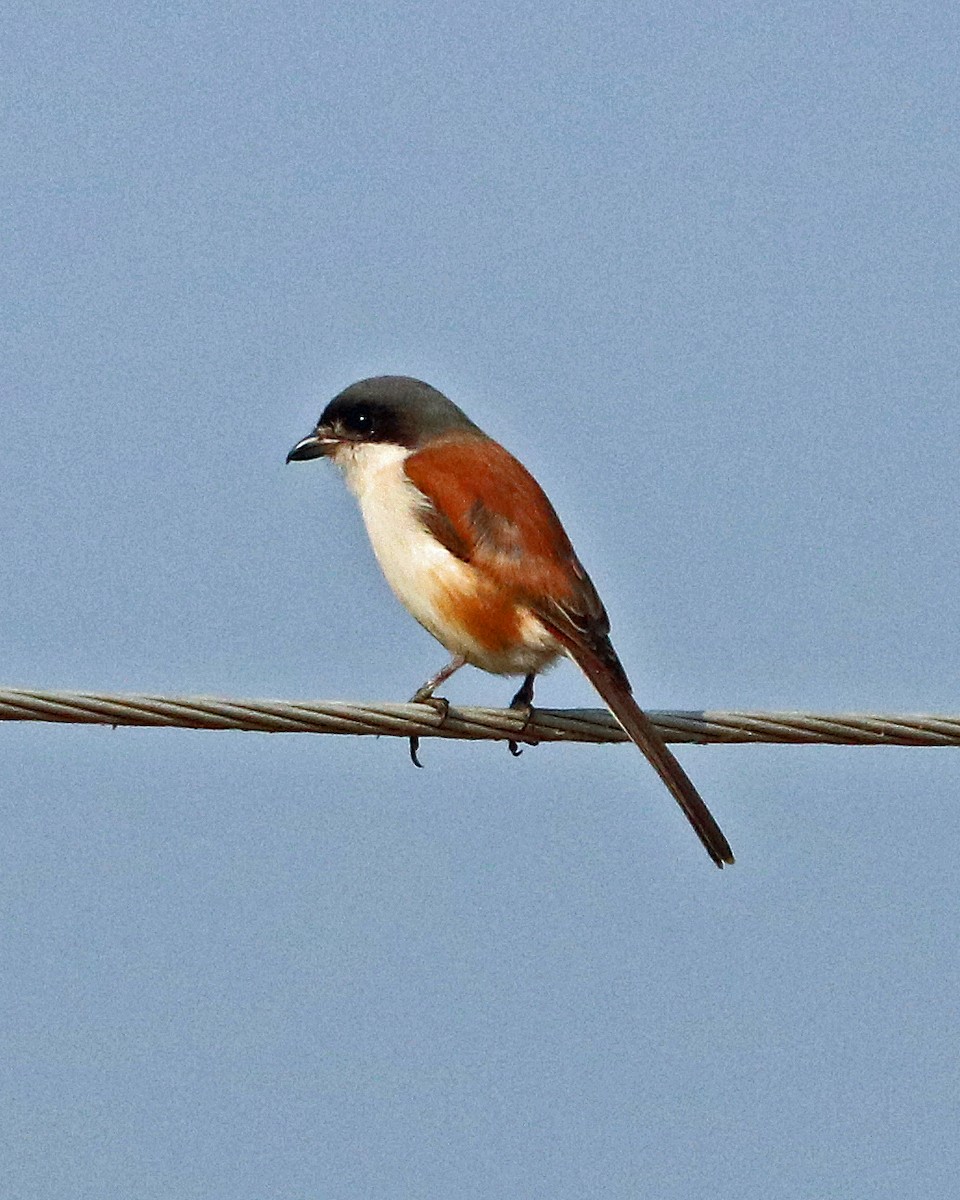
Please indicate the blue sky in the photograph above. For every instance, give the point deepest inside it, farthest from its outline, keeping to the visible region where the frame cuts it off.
(696, 265)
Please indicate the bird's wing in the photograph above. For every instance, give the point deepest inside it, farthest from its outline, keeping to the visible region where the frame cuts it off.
(487, 509)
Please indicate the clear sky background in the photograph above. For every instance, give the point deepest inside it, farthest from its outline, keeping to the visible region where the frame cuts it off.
(697, 265)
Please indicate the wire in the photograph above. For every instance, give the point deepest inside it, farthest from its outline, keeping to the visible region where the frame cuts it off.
(486, 724)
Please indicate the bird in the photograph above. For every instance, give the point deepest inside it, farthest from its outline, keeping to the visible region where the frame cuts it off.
(474, 550)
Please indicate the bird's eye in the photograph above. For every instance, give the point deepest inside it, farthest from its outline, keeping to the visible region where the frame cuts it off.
(361, 422)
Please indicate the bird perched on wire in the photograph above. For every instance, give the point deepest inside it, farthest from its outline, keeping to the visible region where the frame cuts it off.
(474, 550)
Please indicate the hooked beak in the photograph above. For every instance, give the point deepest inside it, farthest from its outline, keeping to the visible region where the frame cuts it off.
(314, 445)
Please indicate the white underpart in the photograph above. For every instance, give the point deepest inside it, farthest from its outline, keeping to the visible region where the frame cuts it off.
(420, 569)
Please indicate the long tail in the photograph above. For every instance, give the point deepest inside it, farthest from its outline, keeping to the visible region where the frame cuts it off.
(611, 682)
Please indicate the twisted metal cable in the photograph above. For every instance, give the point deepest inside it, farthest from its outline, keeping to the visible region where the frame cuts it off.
(490, 724)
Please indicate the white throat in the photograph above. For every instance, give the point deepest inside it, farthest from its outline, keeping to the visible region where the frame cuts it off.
(372, 468)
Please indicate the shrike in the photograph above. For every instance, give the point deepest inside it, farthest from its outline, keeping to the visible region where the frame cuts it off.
(473, 549)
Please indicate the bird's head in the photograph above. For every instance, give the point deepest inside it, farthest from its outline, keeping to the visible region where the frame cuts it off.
(387, 410)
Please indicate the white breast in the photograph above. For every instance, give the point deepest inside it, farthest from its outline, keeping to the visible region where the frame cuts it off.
(414, 562)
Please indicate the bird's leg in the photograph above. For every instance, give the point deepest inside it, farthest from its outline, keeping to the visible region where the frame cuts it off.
(524, 696)
(523, 701)
(424, 695)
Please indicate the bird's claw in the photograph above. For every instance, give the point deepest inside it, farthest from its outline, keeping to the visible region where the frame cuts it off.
(440, 705)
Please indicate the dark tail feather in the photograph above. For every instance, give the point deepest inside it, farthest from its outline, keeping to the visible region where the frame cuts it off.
(611, 683)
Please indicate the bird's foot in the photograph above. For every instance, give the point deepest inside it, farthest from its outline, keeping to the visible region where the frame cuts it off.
(522, 702)
(439, 704)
